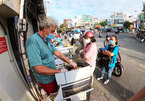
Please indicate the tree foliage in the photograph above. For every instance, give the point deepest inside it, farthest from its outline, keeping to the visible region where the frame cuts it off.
(62, 27)
(126, 24)
(103, 23)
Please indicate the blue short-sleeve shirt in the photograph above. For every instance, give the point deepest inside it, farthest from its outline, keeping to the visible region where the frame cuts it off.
(114, 58)
(40, 53)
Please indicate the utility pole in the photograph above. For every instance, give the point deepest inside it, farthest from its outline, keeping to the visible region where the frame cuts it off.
(143, 14)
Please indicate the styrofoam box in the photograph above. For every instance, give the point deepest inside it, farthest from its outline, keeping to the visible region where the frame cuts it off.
(73, 75)
(64, 50)
(60, 78)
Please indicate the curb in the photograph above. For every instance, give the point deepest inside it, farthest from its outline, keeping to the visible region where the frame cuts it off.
(100, 93)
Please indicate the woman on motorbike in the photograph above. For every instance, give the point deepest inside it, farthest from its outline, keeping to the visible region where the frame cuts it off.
(90, 51)
(111, 51)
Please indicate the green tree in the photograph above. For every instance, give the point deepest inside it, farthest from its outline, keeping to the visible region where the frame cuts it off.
(103, 23)
(62, 27)
(142, 26)
(126, 24)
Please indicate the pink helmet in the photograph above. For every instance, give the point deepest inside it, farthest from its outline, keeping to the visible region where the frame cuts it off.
(89, 34)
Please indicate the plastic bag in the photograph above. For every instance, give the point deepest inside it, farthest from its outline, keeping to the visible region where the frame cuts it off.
(56, 96)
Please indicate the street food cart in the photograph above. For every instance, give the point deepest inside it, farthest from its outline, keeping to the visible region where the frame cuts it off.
(75, 84)
(67, 51)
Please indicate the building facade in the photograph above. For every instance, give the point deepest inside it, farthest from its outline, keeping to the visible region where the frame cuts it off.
(84, 20)
(118, 18)
(141, 20)
(15, 83)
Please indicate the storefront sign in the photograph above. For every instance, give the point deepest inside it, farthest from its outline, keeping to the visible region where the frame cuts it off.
(115, 25)
(3, 45)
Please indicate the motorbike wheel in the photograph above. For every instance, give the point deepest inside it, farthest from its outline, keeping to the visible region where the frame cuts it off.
(142, 40)
(99, 62)
(137, 35)
(118, 70)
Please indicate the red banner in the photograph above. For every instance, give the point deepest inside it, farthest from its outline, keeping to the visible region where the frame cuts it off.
(3, 45)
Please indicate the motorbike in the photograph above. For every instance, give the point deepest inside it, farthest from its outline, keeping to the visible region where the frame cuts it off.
(103, 59)
(117, 31)
(100, 35)
(140, 36)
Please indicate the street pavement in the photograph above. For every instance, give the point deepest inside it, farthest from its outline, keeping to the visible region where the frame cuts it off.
(133, 78)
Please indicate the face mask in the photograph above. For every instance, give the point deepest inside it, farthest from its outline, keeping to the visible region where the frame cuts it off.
(111, 42)
(108, 38)
(87, 40)
(48, 37)
(76, 36)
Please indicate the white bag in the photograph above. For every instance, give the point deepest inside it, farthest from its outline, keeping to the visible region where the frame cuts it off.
(79, 97)
(59, 96)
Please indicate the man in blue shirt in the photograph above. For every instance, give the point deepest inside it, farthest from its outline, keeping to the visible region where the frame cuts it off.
(41, 51)
(113, 54)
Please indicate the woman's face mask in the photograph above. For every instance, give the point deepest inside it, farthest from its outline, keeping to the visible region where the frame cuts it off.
(87, 40)
(112, 42)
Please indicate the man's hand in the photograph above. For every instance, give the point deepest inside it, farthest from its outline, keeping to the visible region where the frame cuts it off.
(63, 70)
(73, 64)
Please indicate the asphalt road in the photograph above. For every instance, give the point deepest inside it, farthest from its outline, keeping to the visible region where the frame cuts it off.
(133, 59)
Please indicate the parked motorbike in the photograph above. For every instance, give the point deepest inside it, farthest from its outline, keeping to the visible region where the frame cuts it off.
(103, 59)
(140, 36)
